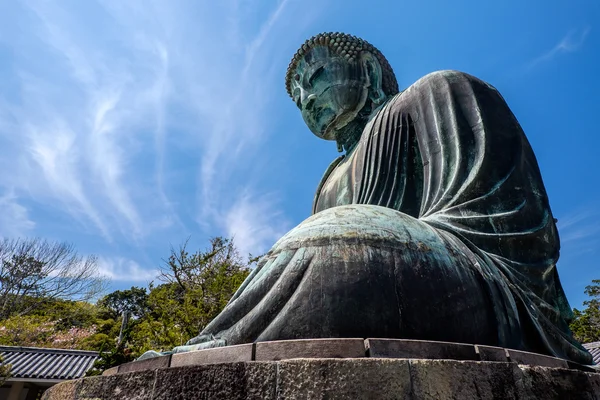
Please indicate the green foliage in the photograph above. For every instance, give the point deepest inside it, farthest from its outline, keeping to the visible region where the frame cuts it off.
(117, 355)
(4, 371)
(27, 330)
(586, 324)
(58, 324)
(134, 301)
(219, 264)
(195, 287)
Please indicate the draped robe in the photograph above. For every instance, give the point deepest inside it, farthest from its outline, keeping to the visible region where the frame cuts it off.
(435, 226)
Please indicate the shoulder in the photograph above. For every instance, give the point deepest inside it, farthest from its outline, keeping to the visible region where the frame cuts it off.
(449, 78)
(437, 85)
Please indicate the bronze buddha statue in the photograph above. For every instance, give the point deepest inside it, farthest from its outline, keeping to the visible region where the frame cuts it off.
(434, 224)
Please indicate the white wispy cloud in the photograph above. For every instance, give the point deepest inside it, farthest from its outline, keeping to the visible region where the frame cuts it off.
(570, 43)
(580, 244)
(52, 148)
(580, 231)
(14, 218)
(77, 152)
(255, 223)
(122, 269)
(145, 117)
(238, 123)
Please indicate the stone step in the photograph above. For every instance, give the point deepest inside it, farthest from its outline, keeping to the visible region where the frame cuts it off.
(346, 348)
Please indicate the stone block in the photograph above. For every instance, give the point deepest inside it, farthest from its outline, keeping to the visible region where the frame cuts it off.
(527, 358)
(449, 379)
(146, 365)
(594, 379)
(557, 384)
(404, 348)
(137, 385)
(490, 353)
(310, 348)
(343, 379)
(111, 371)
(234, 381)
(581, 367)
(61, 391)
(227, 354)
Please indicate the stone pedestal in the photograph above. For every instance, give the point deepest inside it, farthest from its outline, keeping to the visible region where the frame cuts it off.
(341, 369)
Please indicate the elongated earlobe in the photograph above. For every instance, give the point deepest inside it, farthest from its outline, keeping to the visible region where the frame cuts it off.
(377, 96)
(374, 75)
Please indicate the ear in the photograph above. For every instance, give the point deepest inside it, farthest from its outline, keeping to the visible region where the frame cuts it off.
(374, 74)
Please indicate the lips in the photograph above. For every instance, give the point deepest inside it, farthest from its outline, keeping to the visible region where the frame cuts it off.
(327, 124)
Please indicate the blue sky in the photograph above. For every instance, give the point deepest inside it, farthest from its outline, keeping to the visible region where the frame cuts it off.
(127, 126)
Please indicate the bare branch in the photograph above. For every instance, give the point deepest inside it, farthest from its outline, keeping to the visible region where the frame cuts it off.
(39, 269)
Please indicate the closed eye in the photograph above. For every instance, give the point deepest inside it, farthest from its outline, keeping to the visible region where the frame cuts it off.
(316, 74)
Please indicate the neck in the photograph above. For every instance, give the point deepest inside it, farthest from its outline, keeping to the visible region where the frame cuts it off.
(347, 138)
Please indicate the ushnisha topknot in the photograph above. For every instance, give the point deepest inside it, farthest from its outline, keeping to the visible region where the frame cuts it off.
(349, 47)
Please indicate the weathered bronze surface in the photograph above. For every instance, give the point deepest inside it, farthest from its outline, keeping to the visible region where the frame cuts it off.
(434, 224)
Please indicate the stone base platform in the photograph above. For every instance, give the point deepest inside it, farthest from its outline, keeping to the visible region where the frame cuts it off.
(358, 378)
(341, 369)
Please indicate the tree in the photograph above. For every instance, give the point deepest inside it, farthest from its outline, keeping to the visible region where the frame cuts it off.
(134, 301)
(108, 359)
(196, 287)
(206, 279)
(26, 330)
(34, 269)
(196, 270)
(586, 324)
(200, 283)
(59, 324)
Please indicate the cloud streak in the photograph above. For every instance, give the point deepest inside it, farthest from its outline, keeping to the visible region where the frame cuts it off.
(76, 115)
(14, 218)
(580, 231)
(142, 121)
(120, 269)
(254, 222)
(570, 43)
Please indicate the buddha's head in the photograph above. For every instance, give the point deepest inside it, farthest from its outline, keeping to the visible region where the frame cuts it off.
(335, 79)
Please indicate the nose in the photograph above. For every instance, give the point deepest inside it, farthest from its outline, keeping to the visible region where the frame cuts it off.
(307, 99)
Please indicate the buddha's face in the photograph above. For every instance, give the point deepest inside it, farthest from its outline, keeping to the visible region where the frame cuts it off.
(329, 90)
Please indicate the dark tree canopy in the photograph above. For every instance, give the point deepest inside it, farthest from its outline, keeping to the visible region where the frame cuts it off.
(134, 301)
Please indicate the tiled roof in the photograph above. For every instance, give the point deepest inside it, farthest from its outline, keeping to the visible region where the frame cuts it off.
(42, 363)
(594, 349)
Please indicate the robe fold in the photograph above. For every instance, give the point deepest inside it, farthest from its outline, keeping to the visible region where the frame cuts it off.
(436, 226)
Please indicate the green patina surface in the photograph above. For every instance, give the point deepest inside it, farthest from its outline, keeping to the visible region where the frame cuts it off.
(434, 223)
